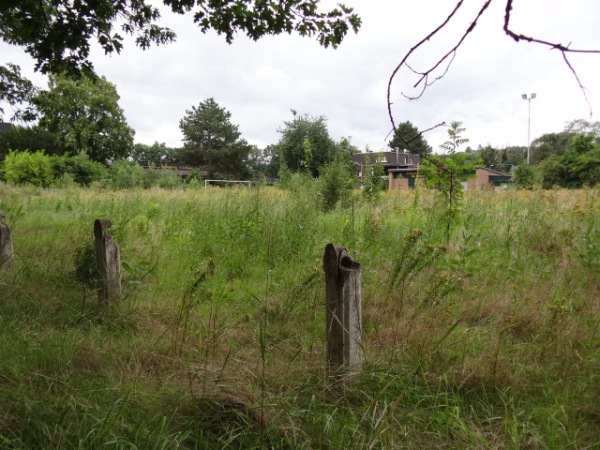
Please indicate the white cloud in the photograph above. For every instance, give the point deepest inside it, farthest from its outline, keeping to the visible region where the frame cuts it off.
(259, 82)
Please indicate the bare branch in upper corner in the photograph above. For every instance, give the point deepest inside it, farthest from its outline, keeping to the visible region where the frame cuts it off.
(564, 49)
(449, 57)
(426, 78)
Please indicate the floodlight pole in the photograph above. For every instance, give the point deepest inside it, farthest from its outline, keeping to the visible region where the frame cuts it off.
(528, 98)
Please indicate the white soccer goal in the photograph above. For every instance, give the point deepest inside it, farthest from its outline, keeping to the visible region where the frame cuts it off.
(216, 182)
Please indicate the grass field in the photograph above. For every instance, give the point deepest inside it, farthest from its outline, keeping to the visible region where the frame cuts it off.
(490, 340)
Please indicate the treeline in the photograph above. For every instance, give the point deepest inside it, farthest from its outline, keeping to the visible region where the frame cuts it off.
(81, 117)
(81, 135)
(43, 170)
(569, 158)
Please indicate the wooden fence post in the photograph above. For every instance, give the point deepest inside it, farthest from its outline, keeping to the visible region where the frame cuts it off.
(108, 259)
(6, 245)
(343, 311)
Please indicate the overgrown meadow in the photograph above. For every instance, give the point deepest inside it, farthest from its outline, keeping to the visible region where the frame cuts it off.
(488, 339)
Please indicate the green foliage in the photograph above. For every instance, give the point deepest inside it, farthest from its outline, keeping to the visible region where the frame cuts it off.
(86, 116)
(556, 144)
(512, 156)
(582, 126)
(32, 138)
(455, 138)
(374, 181)
(526, 176)
(17, 92)
(213, 142)
(86, 265)
(163, 178)
(305, 144)
(58, 34)
(125, 174)
(345, 151)
(550, 144)
(25, 167)
(446, 175)
(264, 163)
(155, 153)
(307, 154)
(335, 185)
(80, 167)
(408, 137)
(579, 165)
(490, 342)
(285, 175)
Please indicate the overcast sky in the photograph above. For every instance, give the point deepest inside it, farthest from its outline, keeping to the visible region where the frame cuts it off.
(260, 82)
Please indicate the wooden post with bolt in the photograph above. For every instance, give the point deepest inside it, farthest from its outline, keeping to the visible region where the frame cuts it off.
(6, 245)
(108, 259)
(343, 311)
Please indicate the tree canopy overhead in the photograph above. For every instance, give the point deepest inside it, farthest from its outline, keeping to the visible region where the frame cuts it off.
(58, 33)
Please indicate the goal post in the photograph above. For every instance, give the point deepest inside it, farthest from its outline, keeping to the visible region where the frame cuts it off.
(216, 182)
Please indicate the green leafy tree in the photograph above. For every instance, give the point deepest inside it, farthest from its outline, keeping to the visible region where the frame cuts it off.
(579, 165)
(32, 138)
(556, 144)
(526, 176)
(27, 167)
(58, 34)
(345, 150)
(489, 155)
(305, 144)
(455, 138)
(86, 116)
(155, 153)
(374, 182)
(80, 168)
(17, 92)
(408, 137)
(582, 126)
(125, 174)
(336, 183)
(512, 156)
(213, 142)
(550, 144)
(264, 162)
(446, 174)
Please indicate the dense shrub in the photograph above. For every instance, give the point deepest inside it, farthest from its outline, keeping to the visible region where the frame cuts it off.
(526, 177)
(80, 167)
(166, 179)
(32, 139)
(125, 174)
(26, 167)
(335, 185)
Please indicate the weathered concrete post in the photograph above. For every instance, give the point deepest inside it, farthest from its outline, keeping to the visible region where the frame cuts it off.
(6, 245)
(108, 259)
(344, 311)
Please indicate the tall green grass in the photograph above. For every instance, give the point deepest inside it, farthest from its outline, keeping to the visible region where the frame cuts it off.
(490, 340)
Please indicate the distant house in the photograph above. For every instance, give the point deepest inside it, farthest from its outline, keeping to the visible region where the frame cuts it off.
(487, 179)
(399, 168)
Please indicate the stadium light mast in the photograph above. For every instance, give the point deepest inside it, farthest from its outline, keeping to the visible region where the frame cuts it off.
(528, 98)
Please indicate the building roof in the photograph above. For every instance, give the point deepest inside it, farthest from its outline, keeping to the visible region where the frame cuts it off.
(491, 171)
(387, 159)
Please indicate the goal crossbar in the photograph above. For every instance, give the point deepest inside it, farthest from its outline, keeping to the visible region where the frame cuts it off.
(206, 182)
